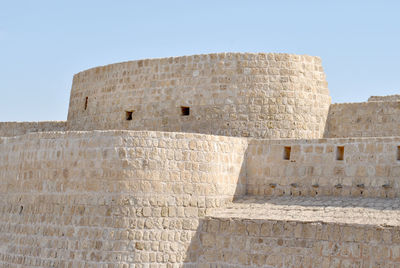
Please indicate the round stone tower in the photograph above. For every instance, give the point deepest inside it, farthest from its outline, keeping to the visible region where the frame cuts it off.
(232, 94)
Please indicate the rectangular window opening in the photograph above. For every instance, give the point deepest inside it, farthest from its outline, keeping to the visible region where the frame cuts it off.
(340, 153)
(286, 152)
(398, 153)
(128, 115)
(185, 111)
(86, 102)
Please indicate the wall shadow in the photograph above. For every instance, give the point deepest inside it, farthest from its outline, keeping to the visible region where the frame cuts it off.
(199, 256)
(328, 118)
(195, 250)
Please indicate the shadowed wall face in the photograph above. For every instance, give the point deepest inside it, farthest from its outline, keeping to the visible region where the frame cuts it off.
(231, 94)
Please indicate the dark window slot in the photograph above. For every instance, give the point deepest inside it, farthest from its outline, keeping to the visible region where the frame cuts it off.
(340, 153)
(398, 153)
(185, 111)
(128, 115)
(86, 102)
(286, 152)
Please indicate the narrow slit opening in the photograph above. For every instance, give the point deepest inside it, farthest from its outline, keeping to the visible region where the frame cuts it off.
(286, 152)
(86, 102)
(398, 153)
(185, 111)
(340, 153)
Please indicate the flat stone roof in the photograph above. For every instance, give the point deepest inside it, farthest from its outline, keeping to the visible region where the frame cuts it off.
(326, 209)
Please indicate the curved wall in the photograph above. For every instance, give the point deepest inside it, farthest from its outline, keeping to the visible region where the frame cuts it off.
(231, 94)
(111, 198)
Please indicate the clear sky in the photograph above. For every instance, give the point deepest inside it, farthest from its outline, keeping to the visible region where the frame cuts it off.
(43, 43)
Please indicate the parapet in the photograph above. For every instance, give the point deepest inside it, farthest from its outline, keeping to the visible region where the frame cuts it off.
(231, 94)
(358, 167)
(364, 119)
(9, 129)
(385, 98)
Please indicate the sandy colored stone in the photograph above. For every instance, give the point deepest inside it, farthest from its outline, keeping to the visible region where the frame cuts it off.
(218, 160)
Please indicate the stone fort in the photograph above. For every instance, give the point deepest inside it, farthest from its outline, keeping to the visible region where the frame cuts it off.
(218, 160)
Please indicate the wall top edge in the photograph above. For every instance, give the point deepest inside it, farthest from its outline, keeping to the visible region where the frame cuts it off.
(219, 55)
(364, 102)
(394, 97)
(325, 140)
(33, 122)
(184, 135)
(259, 219)
(120, 134)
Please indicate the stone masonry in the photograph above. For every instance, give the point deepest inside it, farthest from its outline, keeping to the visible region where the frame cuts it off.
(231, 94)
(219, 160)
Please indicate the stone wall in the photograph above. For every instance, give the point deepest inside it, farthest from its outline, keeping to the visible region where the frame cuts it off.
(385, 98)
(9, 129)
(156, 199)
(120, 198)
(231, 94)
(365, 119)
(241, 242)
(112, 198)
(370, 167)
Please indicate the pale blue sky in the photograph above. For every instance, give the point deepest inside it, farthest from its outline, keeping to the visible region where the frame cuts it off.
(43, 43)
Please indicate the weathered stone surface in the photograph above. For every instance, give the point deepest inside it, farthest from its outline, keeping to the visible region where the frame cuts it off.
(231, 94)
(365, 119)
(370, 167)
(385, 98)
(305, 232)
(103, 197)
(144, 196)
(378, 212)
(9, 129)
